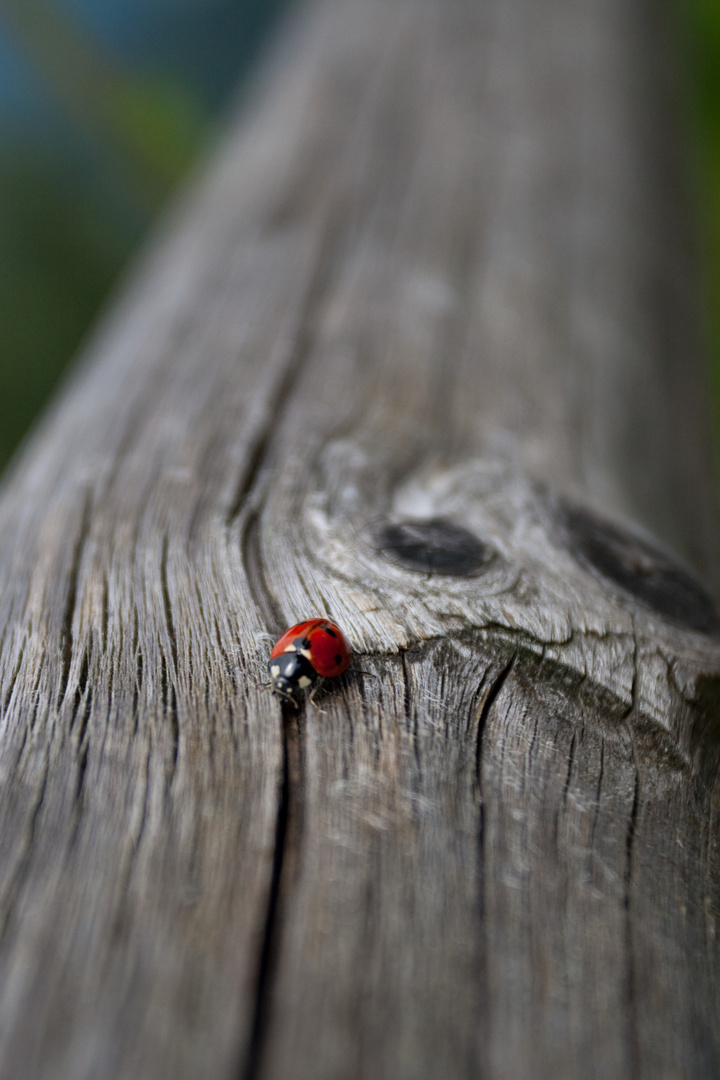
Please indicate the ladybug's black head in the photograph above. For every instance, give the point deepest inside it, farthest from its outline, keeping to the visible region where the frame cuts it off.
(290, 674)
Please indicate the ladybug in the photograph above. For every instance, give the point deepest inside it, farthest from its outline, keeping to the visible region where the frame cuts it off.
(305, 655)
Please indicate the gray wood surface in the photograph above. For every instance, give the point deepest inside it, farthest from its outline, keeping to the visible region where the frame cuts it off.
(419, 352)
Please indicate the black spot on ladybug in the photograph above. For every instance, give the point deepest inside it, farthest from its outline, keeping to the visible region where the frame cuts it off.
(330, 632)
(640, 569)
(436, 546)
(338, 657)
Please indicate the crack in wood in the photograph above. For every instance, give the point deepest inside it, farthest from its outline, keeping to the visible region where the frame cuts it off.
(483, 714)
(267, 607)
(633, 686)
(326, 260)
(571, 756)
(137, 688)
(270, 947)
(485, 707)
(82, 685)
(172, 713)
(21, 748)
(83, 749)
(598, 796)
(565, 789)
(14, 674)
(215, 623)
(8, 900)
(105, 615)
(411, 718)
(35, 692)
(169, 689)
(129, 860)
(66, 629)
(630, 988)
(167, 605)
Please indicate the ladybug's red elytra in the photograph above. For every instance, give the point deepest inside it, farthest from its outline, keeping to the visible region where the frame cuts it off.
(305, 655)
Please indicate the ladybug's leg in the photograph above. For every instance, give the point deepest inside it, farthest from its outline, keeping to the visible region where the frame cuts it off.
(279, 694)
(313, 692)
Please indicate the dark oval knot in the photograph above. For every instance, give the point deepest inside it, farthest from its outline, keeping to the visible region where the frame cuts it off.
(647, 573)
(435, 546)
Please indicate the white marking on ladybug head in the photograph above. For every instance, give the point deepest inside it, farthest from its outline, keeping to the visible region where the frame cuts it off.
(306, 653)
(275, 671)
(304, 682)
(290, 647)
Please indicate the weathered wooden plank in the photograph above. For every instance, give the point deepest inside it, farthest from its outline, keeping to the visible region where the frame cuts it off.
(425, 325)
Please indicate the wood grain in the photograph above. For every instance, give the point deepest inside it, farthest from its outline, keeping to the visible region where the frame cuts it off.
(420, 352)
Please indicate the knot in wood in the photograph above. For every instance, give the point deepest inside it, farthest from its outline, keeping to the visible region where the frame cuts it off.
(640, 569)
(436, 546)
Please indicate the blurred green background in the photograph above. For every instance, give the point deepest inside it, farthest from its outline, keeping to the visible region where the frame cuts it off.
(103, 106)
